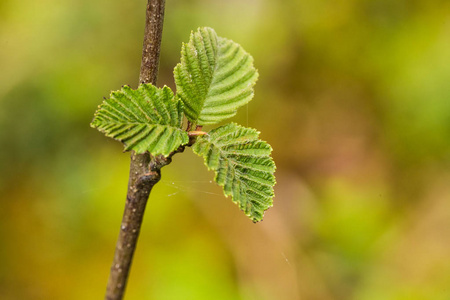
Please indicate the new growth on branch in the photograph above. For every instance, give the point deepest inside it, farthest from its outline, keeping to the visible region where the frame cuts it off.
(214, 78)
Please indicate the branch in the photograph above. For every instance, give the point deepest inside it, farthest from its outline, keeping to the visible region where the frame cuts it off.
(144, 168)
(152, 41)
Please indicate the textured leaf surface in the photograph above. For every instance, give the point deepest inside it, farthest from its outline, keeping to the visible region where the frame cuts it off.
(243, 166)
(215, 77)
(145, 119)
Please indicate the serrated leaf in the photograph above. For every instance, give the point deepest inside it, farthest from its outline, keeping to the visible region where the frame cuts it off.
(243, 166)
(145, 119)
(215, 77)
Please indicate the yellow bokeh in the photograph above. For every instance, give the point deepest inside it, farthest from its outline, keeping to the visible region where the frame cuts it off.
(353, 96)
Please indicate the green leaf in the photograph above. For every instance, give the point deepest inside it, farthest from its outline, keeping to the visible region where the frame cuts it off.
(242, 164)
(145, 119)
(215, 77)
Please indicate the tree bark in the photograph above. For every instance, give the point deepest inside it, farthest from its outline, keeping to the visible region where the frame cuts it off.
(144, 168)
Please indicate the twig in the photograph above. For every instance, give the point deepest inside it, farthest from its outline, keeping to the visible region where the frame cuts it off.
(144, 168)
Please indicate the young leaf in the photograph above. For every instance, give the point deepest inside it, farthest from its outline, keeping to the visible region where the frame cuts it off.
(145, 119)
(242, 164)
(215, 77)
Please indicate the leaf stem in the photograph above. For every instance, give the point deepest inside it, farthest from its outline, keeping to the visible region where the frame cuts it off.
(196, 133)
(144, 168)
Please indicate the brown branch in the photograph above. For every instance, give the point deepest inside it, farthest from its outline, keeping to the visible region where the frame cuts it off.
(144, 168)
(152, 41)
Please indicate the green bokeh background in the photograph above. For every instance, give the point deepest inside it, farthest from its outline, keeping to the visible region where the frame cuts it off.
(353, 95)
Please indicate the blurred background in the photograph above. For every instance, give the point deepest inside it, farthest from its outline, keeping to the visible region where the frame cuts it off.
(353, 95)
